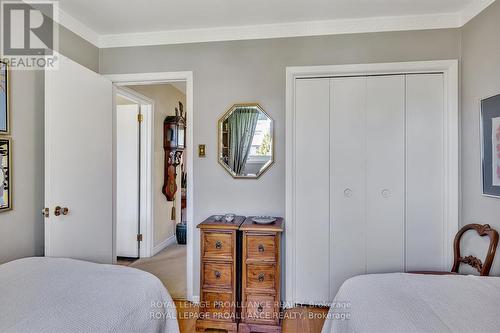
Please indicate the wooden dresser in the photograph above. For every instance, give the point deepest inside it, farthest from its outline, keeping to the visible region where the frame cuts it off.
(260, 303)
(220, 272)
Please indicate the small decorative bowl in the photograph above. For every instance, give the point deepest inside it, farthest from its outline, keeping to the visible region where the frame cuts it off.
(229, 217)
(263, 219)
(218, 217)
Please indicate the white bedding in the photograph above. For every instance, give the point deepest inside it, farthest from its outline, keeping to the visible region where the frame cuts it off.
(416, 303)
(57, 295)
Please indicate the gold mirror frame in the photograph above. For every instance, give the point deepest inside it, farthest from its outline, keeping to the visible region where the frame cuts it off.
(220, 146)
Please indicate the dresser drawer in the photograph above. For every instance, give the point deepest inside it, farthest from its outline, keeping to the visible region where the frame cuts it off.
(218, 245)
(217, 275)
(261, 277)
(261, 309)
(218, 306)
(261, 247)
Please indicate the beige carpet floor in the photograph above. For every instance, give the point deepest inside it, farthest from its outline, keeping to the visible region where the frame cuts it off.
(170, 267)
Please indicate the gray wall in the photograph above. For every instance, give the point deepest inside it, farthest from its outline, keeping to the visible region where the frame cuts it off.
(78, 49)
(480, 78)
(22, 229)
(254, 71)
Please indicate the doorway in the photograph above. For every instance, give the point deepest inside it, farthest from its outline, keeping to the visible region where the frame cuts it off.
(165, 246)
(132, 173)
(69, 185)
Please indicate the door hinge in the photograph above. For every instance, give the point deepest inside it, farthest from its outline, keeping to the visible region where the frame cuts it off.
(139, 237)
(139, 117)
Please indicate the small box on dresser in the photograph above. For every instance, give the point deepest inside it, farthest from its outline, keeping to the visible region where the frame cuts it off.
(261, 267)
(220, 272)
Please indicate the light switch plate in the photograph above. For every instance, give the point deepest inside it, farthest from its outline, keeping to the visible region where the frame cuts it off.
(202, 151)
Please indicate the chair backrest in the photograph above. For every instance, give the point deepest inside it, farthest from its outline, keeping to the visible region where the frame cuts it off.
(482, 230)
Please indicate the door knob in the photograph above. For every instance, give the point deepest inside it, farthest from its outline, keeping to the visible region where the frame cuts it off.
(61, 210)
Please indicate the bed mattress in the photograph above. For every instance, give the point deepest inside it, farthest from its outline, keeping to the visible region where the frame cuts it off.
(64, 295)
(416, 303)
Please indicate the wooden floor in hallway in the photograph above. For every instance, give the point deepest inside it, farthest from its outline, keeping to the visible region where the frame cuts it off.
(297, 320)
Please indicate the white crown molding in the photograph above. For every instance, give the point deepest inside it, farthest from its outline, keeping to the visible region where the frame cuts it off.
(78, 28)
(295, 29)
(472, 10)
(281, 30)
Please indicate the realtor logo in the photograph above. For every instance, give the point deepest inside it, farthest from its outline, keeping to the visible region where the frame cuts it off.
(29, 34)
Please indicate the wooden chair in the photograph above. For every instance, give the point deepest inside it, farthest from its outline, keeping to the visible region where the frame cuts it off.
(482, 268)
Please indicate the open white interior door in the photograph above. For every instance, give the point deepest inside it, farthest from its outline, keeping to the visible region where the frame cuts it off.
(78, 163)
(127, 180)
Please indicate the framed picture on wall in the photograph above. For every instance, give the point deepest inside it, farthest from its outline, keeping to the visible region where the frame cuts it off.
(490, 145)
(5, 174)
(4, 99)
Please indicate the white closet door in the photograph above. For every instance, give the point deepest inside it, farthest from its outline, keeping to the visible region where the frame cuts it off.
(312, 191)
(385, 173)
(425, 172)
(347, 170)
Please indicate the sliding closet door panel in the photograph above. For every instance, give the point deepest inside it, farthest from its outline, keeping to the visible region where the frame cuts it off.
(425, 172)
(347, 171)
(312, 191)
(385, 173)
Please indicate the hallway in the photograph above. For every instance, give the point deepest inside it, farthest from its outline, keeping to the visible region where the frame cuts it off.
(169, 266)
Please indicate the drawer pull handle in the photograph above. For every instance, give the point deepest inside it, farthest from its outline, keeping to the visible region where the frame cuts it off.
(217, 274)
(218, 245)
(261, 248)
(261, 277)
(260, 308)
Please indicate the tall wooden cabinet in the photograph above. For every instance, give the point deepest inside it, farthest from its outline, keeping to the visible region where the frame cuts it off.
(240, 276)
(220, 272)
(260, 295)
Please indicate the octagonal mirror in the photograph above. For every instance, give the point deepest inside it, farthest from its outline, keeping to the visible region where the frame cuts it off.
(246, 141)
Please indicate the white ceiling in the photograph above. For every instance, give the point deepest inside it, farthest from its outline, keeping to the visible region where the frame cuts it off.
(110, 21)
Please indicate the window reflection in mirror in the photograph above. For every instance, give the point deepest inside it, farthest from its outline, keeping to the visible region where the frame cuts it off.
(246, 147)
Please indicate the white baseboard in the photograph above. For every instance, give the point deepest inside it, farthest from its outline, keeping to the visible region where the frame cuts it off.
(169, 241)
(127, 254)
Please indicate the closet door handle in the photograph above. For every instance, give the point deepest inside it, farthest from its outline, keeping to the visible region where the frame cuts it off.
(385, 193)
(348, 193)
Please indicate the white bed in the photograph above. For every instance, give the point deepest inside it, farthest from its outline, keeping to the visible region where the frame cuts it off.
(64, 295)
(416, 303)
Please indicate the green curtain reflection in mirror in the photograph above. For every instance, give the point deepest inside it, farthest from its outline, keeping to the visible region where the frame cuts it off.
(241, 129)
(245, 146)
